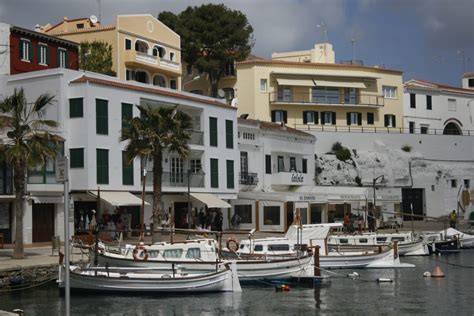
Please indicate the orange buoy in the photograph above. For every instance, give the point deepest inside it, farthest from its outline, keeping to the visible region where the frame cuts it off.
(437, 272)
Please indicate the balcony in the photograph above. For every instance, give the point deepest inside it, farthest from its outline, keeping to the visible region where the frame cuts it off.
(178, 179)
(151, 63)
(291, 178)
(197, 138)
(335, 99)
(248, 178)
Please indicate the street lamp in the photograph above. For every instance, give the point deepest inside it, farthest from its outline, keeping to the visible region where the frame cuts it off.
(373, 186)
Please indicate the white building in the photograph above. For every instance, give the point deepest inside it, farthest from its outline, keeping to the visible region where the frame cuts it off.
(91, 109)
(433, 108)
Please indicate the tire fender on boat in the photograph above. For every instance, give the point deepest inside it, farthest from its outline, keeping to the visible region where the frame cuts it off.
(136, 252)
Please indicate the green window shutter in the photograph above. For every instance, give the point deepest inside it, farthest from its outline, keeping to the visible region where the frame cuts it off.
(76, 107)
(77, 157)
(214, 173)
(230, 174)
(127, 115)
(38, 53)
(102, 120)
(30, 51)
(213, 131)
(47, 55)
(21, 49)
(229, 134)
(102, 166)
(127, 170)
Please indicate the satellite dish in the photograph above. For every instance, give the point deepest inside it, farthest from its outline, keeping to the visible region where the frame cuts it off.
(93, 19)
(221, 93)
(234, 103)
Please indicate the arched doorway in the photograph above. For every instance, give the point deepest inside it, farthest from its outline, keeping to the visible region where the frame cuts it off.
(452, 129)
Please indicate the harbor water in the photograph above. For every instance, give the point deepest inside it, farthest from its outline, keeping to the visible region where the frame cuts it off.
(409, 294)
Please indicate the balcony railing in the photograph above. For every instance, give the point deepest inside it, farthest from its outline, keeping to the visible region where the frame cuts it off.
(248, 178)
(327, 99)
(197, 138)
(178, 179)
(383, 130)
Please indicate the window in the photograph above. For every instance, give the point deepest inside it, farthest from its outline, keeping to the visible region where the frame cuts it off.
(305, 165)
(470, 82)
(229, 134)
(281, 247)
(177, 170)
(129, 74)
(433, 187)
(173, 253)
(328, 118)
(467, 183)
(412, 100)
(424, 129)
(428, 102)
(279, 116)
(292, 164)
(173, 84)
(258, 248)
(102, 162)
(411, 127)
(354, 118)
(127, 170)
(43, 54)
(249, 136)
(268, 164)
(80, 25)
(229, 70)
(171, 56)
(128, 44)
(284, 93)
(127, 115)
(77, 158)
(244, 162)
(328, 95)
(263, 85)
(454, 183)
(389, 120)
(213, 131)
(244, 212)
(389, 92)
(195, 165)
(102, 121)
(350, 95)
(193, 253)
(214, 173)
(61, 58)
(370, 118)
(159, 81)
(26, 53)
(451, 104)
(310, 117)
(363, 240)
(281, 164)
(271, 215)
(230, 174)
(76, 107)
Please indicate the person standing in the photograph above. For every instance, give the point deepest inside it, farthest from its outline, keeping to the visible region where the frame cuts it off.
(452, 219)
(347, 222)
(218, 220)
(371, 221)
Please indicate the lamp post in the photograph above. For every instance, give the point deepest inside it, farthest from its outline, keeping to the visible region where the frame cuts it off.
(189, 201)
(142, 209)
(374, 181)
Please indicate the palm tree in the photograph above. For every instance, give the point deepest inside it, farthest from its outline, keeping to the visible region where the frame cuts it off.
(157, 130)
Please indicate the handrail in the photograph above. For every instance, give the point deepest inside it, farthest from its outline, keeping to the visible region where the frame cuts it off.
(341, 99)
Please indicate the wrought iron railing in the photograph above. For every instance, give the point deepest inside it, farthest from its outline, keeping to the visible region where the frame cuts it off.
(178, 179)
(197, 138)
(248, 178)
(385, 130)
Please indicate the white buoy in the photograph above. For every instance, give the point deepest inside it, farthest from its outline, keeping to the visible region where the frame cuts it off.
(353, 275)
(427, 274)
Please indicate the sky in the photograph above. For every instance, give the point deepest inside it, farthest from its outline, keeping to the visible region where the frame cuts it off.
(426, 39)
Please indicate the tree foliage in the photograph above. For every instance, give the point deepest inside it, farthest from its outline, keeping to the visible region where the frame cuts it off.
(96, 56)
(153, 132)
(27, 145)
(212, 37)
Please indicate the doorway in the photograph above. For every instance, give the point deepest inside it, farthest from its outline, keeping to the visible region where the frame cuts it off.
(43, 222)
(412, 197)
(181, 214)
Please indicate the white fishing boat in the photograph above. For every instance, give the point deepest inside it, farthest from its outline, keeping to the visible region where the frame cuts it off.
(407, 245)
(465, 240)
(222, 279)
(200, 256)
(316, 235)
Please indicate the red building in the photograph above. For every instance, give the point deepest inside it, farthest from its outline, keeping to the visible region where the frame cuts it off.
(33, 51)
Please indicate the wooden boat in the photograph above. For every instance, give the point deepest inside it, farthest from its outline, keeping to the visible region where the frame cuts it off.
(465, 240)
(440, 243)
(407, 245)
(200, 256)
(149, 280)
(311, 235)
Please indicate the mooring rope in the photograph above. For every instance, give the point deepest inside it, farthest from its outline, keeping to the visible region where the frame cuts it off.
(451, 264)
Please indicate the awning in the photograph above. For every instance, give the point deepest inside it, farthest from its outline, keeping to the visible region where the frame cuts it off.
(47, 199)
(210, 200)
(295, 82)
(119, 198)
(342, 84)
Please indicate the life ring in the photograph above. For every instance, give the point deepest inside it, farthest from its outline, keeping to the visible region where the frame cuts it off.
(234, 241)
(138, 250)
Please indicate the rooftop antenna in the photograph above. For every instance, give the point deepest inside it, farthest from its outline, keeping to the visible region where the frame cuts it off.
(353, 41)
(463, 57)
(322, 26)
(100, 16)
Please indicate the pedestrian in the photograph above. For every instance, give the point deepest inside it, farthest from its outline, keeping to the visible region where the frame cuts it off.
(202, 218)
(452, 219)
(218, 220)
(347, 222)
(359, 224)
(209, 220)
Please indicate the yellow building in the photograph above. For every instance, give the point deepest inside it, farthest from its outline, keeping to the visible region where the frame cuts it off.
(307, 89)
(143, 48)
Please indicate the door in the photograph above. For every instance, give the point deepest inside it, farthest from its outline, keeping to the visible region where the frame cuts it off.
(181, 214)
(43, 222)
(6, 221)
(412, 197)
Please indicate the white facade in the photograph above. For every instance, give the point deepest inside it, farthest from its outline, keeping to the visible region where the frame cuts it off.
(81, 133)
(431, 108)
(4, 49)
